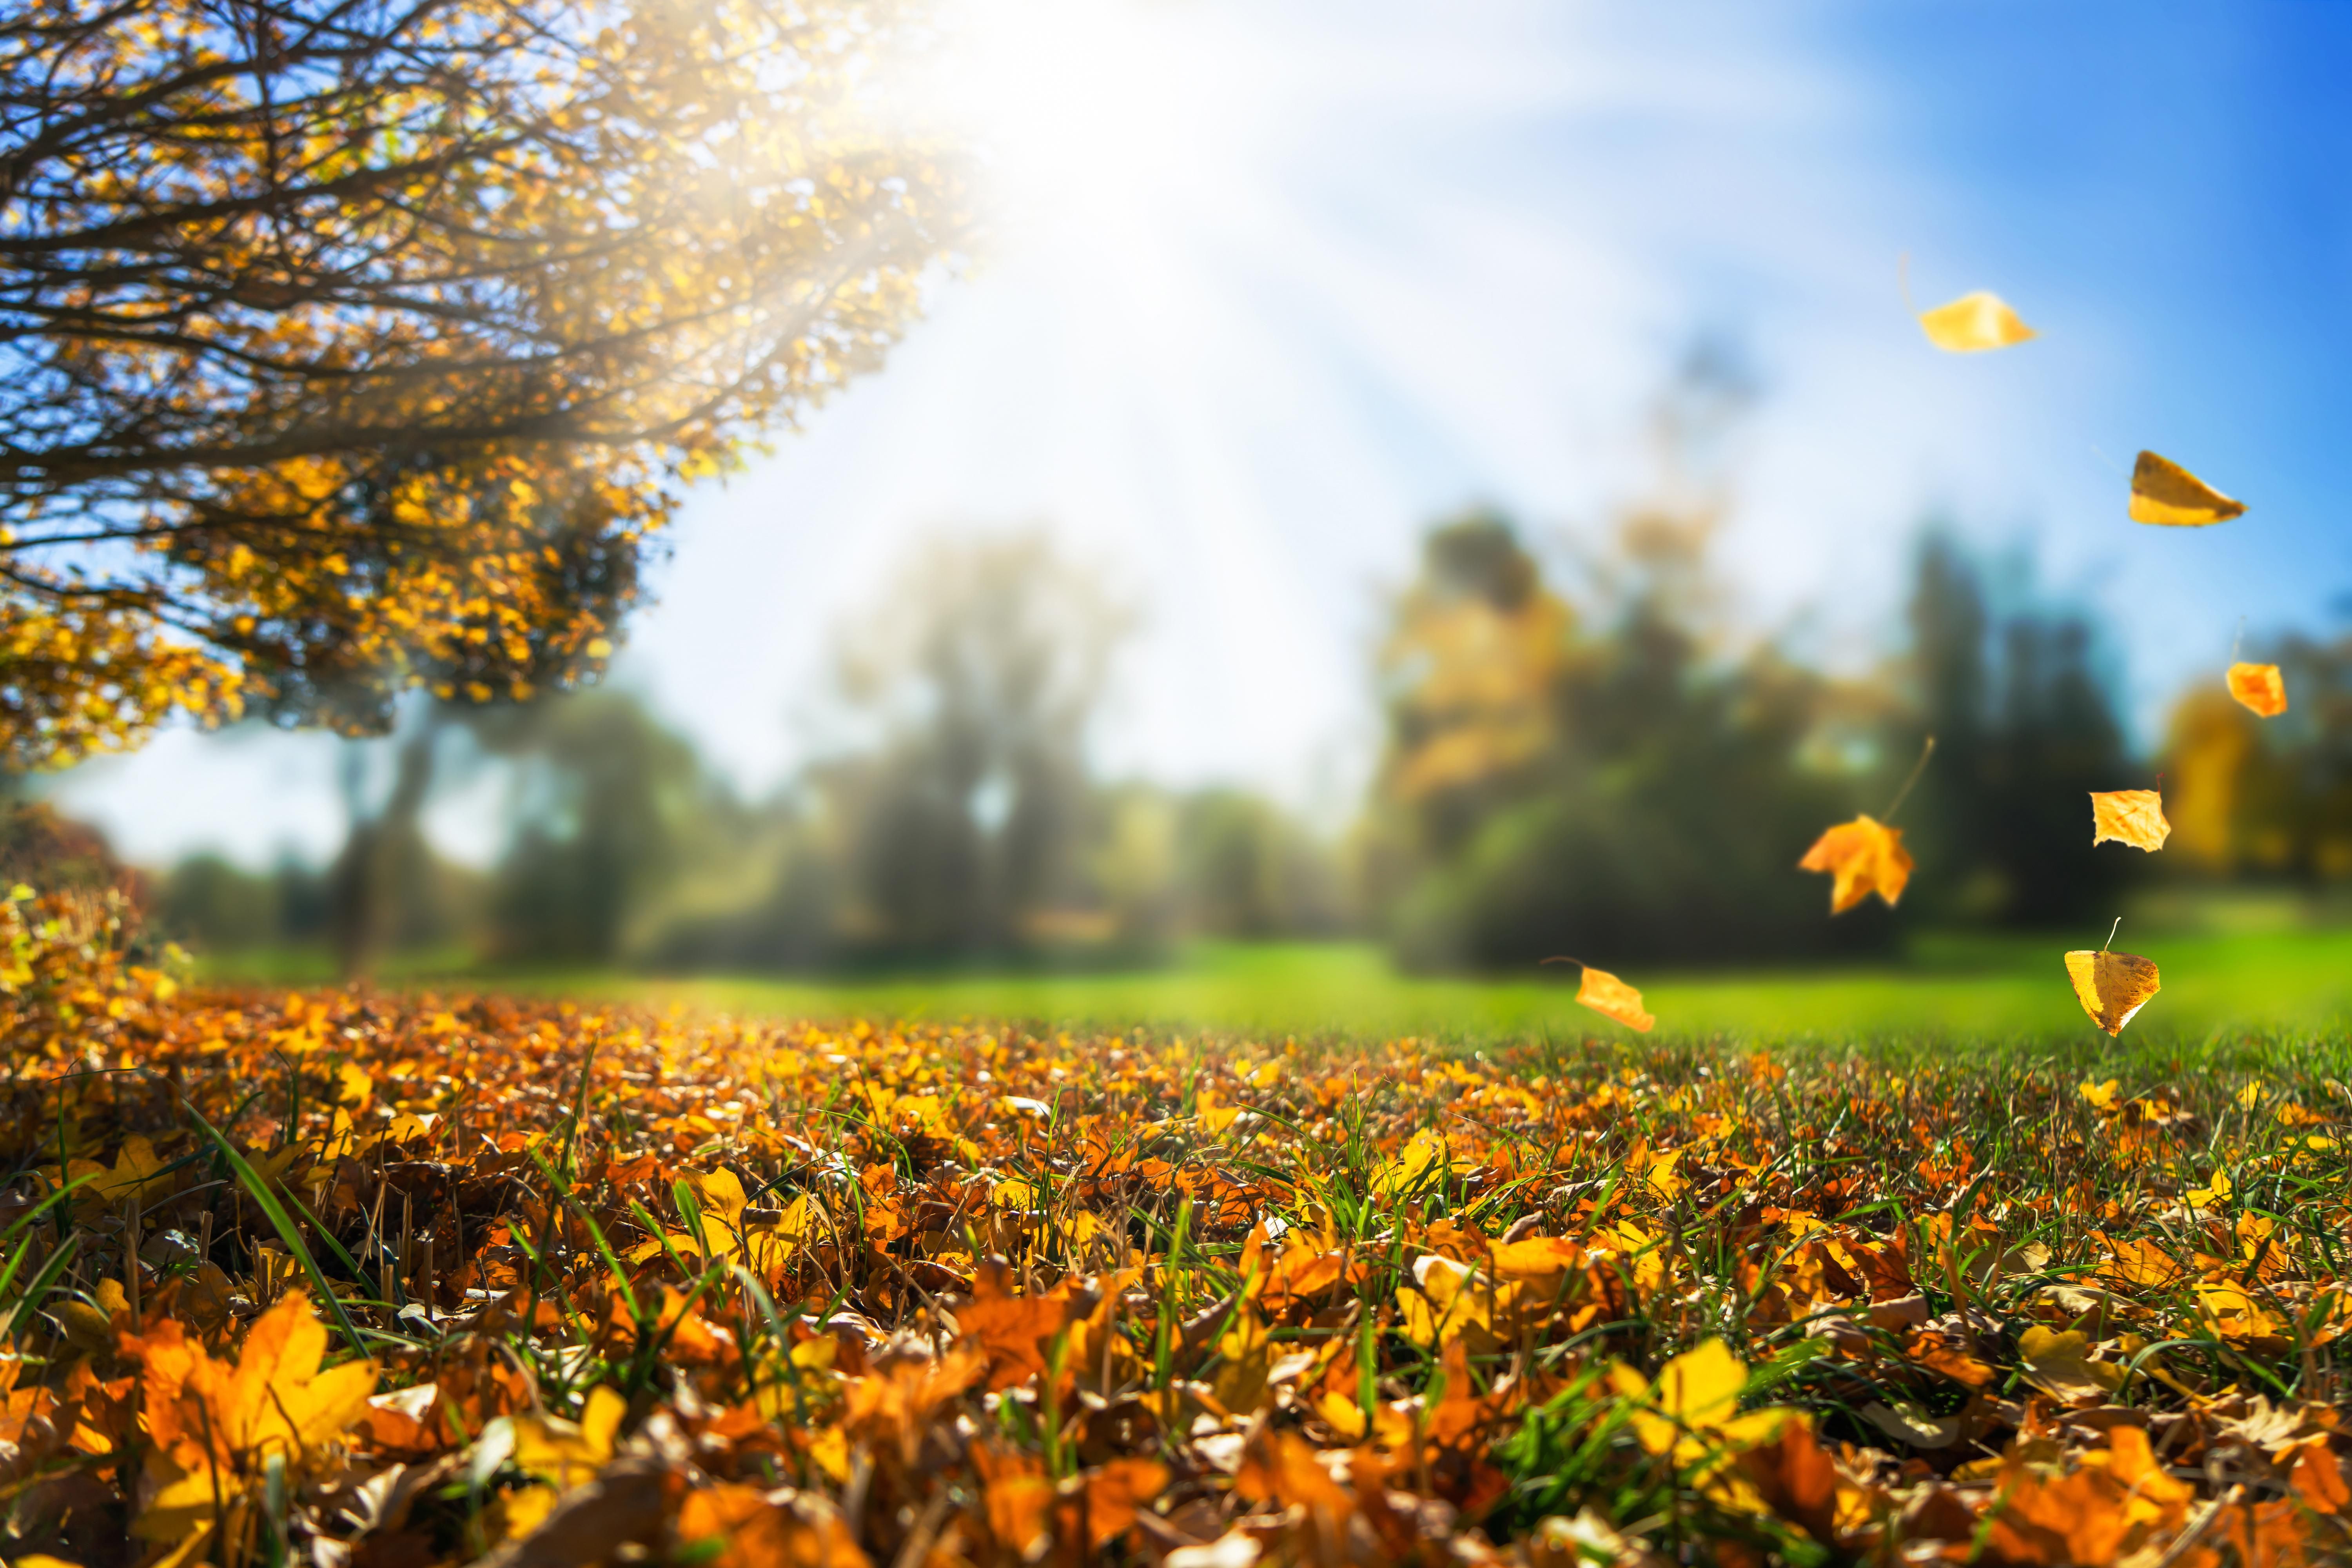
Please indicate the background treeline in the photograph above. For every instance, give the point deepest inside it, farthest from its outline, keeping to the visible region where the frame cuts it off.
(1584, 752)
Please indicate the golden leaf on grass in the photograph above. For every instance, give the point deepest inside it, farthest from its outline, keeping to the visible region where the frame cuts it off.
(1866, 857)
(2260, 686)
(2112, 986)
(2062, 1364)
(2164, 492)
(1613, 998)
(2133, 816)
(1974, 323)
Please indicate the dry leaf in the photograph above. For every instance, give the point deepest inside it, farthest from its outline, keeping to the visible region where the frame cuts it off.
(1612, 997)
(1866, 857)
(2164, 492)
(2133, 816)
(2112, 986)
(1974, 323)
(2260, 686)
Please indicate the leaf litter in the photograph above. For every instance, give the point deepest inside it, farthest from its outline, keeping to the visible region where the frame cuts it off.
(609, 1286)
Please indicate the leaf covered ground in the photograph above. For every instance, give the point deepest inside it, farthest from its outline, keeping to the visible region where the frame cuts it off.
(430, 1280)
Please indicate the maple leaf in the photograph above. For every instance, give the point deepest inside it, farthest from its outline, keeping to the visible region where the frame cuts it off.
(2164, 492)
(215, 1428)
(1017, 1333)
(1973, 324)
(2112, 987)
(2133, 816)
(1865, 856)
(2260, 686)
(1613, 998)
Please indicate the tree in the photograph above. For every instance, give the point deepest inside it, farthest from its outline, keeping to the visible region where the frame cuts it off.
(973, 684)
(611, 809)
(351, 345)
(2026, 729)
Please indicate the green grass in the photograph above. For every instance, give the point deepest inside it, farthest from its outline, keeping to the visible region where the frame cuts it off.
(2245, 992)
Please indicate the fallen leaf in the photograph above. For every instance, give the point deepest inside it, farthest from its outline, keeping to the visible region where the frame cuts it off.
(2260, 686)
(2112, 986)
(2061, 1362)
(2164, 492)
(1114, 1493)
(2133, 816)
(1613, 998)
(1974, 323)
(1866, 857)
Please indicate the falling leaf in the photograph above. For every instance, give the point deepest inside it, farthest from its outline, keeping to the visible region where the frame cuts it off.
(1866, 857)
(1613, 998)
(2164, 492)
(2133, 816)
(2260, 686)
(2112, 986)
(1974, 323)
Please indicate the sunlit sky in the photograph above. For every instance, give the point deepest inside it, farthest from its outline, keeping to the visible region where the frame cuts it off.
(1273, 284)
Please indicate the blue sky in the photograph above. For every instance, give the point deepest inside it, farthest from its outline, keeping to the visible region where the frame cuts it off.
(1273, 284)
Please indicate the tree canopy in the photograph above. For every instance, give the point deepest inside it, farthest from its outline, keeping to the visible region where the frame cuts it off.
(351, 345)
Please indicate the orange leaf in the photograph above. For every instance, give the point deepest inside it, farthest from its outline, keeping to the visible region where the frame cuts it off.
(2260, 686)
(2133, 816)
(2318, 1478)
(1866, 857)
(1016, 1331)
(2164, 492)
(1282, 1467)
(1019, 1499)
(1114, 1493)
(2112, 987)
(1613, 998)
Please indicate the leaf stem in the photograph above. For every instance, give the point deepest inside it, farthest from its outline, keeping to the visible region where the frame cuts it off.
(2111, 933)
(1926, 751)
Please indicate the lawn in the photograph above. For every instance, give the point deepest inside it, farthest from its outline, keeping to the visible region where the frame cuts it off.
(2232, 993)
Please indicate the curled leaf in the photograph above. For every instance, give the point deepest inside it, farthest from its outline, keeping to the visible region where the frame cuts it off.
(2112, 987)
(2133, 816)
(1974, 323)
(1613, 998)
(2164, 492)
(1865, 856)
(2260, 686)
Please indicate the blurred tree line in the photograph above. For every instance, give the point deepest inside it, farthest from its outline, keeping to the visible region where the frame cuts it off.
(952, 817)
(1583, 754)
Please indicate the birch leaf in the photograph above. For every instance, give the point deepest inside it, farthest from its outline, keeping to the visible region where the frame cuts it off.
(2112, 987)
(1973, 324)
(2164, 492)
(2133, 816)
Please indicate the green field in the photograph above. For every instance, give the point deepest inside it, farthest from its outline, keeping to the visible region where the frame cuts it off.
(2251, 994)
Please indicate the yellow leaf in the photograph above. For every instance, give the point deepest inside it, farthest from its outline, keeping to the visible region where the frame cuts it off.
(2062, 1364)
(564, 1454)
(2164, 492)
(2260, 686)
(1613, 998)
(1865, 856)
(2101, 1096)
(2210, 1197)
(2133, 816)
(1974, 323)
(2112, 987)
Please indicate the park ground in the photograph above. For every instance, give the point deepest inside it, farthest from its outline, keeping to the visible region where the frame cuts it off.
(2247, 993)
